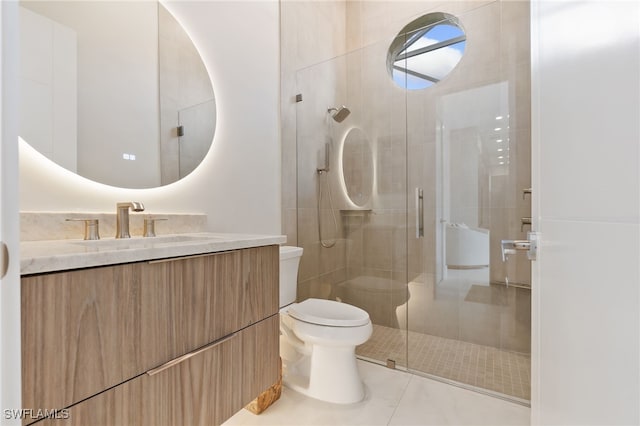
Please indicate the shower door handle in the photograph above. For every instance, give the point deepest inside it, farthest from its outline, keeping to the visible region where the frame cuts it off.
(419, 213)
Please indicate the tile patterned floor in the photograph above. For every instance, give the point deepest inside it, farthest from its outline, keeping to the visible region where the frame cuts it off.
(392, 397)
(481, 366)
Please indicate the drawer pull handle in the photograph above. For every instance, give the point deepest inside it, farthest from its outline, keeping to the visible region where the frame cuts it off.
(185, 357)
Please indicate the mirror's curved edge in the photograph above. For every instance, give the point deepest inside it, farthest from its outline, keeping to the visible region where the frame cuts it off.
(94, 196)
(130, 166)
(40, 162)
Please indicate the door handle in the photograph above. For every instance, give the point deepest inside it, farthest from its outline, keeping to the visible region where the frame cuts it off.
(530, 245)
(419, 213)
(4, 259)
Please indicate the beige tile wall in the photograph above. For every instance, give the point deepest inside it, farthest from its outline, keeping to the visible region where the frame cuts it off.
(311, 32)
(401, 129)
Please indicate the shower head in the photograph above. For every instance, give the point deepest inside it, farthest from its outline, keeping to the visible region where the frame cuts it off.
(339, 114)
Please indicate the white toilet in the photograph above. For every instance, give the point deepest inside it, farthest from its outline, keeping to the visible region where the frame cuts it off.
(318, 340)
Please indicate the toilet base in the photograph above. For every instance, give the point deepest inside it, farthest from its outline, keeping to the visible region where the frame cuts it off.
(326, 373)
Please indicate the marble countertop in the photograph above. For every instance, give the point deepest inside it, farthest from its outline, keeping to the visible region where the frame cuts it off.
(59, 255)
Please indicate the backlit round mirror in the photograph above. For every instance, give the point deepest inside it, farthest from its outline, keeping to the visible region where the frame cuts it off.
(114, 91)
(357, 166)
(426, 50)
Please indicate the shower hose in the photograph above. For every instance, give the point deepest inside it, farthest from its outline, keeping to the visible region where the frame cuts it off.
(333, 213)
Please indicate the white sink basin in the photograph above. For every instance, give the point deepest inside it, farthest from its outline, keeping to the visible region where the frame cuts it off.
(140, 242)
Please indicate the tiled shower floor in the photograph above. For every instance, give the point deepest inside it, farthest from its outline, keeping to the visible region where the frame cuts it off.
(481, 366)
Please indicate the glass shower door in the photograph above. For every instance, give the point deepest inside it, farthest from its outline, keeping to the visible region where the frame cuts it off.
(469, 314)
(351, 193)
(439, 302)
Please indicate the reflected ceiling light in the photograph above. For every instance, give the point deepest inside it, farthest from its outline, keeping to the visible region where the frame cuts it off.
(500, 149)
(500, 157)
(497, 129)
(498, 140)
(502, 162)
(499, 117)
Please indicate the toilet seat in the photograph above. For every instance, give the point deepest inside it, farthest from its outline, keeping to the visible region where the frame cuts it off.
(328, 313)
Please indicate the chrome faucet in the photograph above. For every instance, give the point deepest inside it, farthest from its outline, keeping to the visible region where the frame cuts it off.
(122, 217)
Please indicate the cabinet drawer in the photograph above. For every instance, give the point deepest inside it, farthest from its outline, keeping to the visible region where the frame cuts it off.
(205, 389)
(87, 330)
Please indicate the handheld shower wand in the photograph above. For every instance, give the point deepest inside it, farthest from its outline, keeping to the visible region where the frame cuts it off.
(324, 171)
(338, 115)
(327, 159)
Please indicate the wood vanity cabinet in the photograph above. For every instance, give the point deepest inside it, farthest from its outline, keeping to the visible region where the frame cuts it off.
(96, 333)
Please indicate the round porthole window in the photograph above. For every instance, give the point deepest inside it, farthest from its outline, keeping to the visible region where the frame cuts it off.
(426, 50)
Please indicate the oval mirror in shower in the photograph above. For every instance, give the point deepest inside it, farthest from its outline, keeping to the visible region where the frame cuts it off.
(426, 50)
(357, 166)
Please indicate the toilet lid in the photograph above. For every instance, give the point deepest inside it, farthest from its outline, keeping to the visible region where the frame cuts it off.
(328, 312)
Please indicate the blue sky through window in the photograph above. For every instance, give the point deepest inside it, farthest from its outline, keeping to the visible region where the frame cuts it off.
(427, 68)
(444, 32)
(410, 82)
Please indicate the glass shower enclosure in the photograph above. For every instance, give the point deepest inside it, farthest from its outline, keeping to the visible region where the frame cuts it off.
(404, 195)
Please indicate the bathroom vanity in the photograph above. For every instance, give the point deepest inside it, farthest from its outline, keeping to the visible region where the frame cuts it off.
(158, 332)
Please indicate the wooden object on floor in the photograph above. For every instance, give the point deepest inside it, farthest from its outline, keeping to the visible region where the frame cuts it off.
(268, 397)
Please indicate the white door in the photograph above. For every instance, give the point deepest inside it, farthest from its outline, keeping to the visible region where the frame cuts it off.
(586, 192)
(10, 386)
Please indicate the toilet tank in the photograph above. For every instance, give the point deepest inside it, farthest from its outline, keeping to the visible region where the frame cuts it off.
(289, 261)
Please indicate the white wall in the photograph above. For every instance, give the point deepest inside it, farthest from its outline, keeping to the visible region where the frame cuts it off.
(238, 183)
(586, 189)
(48, 87)
(118, 90)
